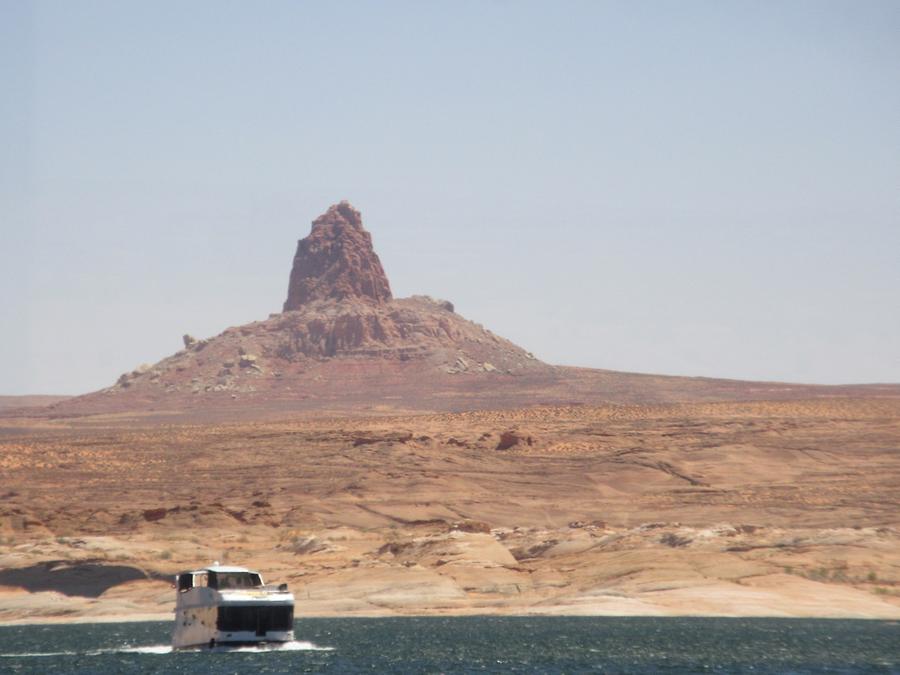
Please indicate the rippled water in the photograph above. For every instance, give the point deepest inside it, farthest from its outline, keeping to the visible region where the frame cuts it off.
(477, 644)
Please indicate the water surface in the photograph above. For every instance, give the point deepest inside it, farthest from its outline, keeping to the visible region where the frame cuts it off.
(477, 645)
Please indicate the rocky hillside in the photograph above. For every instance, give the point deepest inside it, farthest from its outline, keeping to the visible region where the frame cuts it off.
(344, 342)
(342, 335)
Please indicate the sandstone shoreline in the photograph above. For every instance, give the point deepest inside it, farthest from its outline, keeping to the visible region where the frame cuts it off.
(751, 509)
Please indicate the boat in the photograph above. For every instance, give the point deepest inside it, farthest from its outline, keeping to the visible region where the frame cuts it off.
(226, 606)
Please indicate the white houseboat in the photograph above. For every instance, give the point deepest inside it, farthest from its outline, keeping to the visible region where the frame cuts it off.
(221, 606)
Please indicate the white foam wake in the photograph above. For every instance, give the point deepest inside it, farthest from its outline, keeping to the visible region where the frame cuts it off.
(151, 649)
(292, 646)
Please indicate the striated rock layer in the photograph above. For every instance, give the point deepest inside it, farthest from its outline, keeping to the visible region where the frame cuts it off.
(769, 509)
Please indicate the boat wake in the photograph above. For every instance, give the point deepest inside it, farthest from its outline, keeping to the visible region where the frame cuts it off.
(292, 646)
(150, 649)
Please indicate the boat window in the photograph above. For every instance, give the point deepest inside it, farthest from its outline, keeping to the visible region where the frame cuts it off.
(231, 580)
(185, 581)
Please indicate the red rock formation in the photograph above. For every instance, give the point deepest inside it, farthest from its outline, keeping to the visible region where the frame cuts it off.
(342, 335)
(336, 261)
(343, 342)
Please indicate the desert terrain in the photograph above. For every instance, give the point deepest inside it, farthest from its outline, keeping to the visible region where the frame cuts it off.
(19, 402)
(388, 456)
(778, 508)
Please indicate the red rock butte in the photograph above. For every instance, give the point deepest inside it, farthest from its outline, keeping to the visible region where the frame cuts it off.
(337, 261)
(344, 342)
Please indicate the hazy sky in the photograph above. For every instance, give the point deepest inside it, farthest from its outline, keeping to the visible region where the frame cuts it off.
(701, 188)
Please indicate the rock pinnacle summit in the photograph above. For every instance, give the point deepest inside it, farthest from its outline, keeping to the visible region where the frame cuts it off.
(336, 261)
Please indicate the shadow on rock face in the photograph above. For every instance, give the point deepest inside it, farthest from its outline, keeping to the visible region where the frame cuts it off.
(86, 579)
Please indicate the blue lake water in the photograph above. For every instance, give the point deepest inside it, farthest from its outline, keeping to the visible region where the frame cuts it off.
(477, 645)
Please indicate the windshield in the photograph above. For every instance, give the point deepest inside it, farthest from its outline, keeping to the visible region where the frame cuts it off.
(226, 580)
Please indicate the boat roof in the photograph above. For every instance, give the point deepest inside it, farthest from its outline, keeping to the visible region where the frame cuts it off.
(220, 568)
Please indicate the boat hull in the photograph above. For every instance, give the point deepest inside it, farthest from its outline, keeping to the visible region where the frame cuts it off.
(217, 624)
(273, 640)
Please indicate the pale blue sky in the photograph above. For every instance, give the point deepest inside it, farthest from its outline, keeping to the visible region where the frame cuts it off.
(699, 188)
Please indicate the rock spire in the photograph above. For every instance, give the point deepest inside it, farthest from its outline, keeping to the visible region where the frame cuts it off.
(336, 261)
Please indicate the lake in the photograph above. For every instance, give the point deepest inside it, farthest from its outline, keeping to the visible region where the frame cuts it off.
(477, 645)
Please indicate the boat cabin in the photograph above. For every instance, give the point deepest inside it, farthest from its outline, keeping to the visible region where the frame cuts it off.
(219, 577)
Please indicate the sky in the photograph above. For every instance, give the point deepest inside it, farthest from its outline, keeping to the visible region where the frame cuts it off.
(691, 188)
